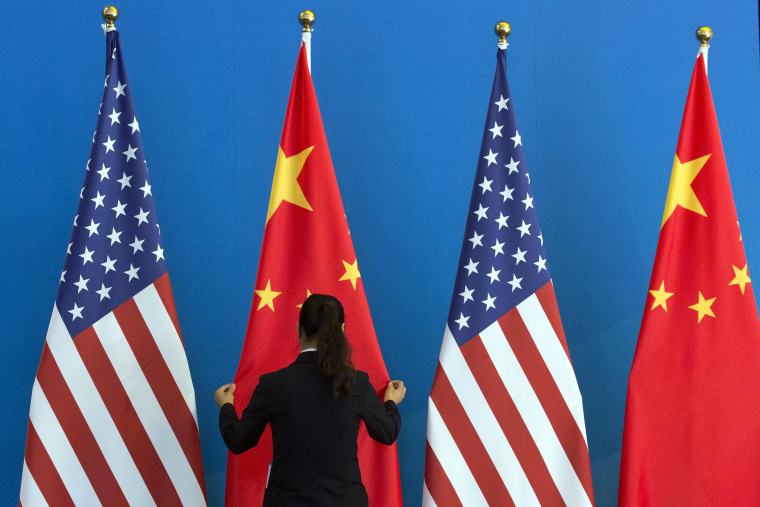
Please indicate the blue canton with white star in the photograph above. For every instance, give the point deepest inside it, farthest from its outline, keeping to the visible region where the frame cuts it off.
(503, 260)
(115, 249)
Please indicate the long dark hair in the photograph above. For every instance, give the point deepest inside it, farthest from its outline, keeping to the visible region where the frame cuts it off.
(322, 319)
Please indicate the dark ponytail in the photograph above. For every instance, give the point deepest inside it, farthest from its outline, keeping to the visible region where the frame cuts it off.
(322, 319)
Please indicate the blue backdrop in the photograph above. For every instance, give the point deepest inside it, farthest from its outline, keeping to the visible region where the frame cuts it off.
(599, 89)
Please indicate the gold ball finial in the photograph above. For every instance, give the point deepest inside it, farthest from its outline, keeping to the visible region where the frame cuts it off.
(704, 34)
(306, 18)
(502, 29)
(110, 14)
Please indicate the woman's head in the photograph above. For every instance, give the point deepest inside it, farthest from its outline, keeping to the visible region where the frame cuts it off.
(321, 322)
(320, 313)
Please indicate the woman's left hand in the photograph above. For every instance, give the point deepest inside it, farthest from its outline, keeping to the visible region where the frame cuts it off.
(395, 391)
(224, 395)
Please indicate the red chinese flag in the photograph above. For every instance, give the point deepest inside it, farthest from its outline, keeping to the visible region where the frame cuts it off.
(692, 420)
(307, 249)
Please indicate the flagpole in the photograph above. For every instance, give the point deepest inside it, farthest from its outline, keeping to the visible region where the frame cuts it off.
(503, 29)
(704, 34)
(306, 18)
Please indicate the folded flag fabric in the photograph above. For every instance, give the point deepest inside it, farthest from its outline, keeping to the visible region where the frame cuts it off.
(692, 413)
(112, 418)
(505, 416)
(307, 249)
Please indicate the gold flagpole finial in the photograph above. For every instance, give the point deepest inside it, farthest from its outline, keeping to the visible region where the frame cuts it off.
(306, 18)
(704, 34)
(110, 14)
(502, 29)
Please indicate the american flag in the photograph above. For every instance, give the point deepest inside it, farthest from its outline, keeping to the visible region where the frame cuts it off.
(505, 417)
(112, 418)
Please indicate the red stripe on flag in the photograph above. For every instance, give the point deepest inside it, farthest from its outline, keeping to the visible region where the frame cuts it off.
(125, 418)
(164, 289)
(548, 301)
(44, 472)
(78, 432)
(438, 483)
(550, 397)
(511, 422)
(473, 451)
(162, 383)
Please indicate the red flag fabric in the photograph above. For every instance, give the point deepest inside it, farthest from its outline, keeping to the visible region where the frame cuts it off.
(692, 421)
(307, 249)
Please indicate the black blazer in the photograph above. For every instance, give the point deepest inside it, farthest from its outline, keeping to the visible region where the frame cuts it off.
(314, 436)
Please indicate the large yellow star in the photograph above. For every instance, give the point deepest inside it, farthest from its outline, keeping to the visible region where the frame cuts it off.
(741, 279)
(267, 296)
(660, 297)
(285, 186)
(703, 307)
(352, 273)
(680, 192)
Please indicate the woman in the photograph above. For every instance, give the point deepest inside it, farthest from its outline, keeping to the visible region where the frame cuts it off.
(314, 407)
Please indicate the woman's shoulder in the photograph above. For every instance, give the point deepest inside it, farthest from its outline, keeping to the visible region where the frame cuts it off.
(361, 379)
(274, 376)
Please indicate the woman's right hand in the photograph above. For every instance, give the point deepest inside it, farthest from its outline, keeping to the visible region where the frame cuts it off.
(395, 391)
(225, 394)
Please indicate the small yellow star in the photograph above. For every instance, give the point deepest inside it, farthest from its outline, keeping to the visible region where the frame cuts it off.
(267, 296)
(661, 297)
(680, 192)
(285, 185)
(741, 279)
(740, 230)
(308, 293)
(352, 273)
(703, 307)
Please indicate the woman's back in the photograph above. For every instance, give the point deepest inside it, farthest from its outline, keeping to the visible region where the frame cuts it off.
(313, 434)
(314, 407)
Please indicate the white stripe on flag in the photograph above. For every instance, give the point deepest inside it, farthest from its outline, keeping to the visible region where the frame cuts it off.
(427, 500)
(451, 459)
(148, 410)
(483, 420)
(168, 342)
(512, 375)
(30, 496)
(59, 449)
(554, 356)
(95, 413)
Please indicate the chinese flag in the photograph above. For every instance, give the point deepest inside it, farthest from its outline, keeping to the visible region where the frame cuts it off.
(307, 249)
(692, 420)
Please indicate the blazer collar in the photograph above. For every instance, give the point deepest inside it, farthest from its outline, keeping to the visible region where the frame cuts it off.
(306, 357)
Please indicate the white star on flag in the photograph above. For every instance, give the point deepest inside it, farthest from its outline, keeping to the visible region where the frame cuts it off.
(130, 153)
(486, 185)
(124, 181)
(114, 117)
(512, 166)
(481, 212)
(491, 157)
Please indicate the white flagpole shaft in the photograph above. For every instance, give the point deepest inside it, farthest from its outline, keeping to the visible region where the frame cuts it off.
(703, 51)
(306, 38)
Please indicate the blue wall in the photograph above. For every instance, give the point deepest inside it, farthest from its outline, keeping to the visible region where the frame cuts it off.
(599, 89)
